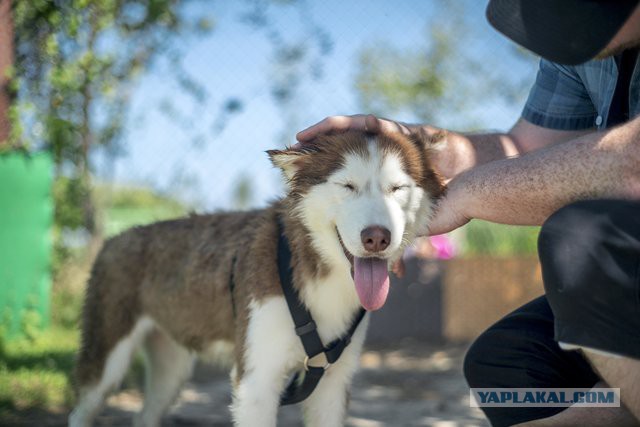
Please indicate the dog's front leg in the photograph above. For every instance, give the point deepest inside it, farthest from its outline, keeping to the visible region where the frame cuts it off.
(255, 401)
(327, 405)
(270, 351)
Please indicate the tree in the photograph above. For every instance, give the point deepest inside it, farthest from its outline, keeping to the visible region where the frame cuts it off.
(76, 64)
(6, 62)
(445, 80)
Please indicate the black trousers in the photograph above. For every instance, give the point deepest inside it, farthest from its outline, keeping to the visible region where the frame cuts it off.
(590, 257)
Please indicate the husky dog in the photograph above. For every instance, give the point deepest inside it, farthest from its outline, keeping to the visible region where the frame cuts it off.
(354, 202)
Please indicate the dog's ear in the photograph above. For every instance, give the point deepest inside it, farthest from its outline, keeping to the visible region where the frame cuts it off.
(430, 145)
(288, 160)
(433, 142)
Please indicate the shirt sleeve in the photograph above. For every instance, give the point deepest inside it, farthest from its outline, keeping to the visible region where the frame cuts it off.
(559, 99)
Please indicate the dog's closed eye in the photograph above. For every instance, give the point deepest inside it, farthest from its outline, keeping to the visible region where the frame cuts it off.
(349, 186)
(397, 187)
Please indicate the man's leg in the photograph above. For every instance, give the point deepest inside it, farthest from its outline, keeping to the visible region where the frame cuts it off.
(590, 256)
(622, 373)
(519, 352)
(587, 417)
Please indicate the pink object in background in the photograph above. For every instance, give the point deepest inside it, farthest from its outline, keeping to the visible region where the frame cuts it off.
(434, 247)
(443, 245)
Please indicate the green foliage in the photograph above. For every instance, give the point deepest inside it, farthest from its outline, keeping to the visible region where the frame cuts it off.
(35, 372)
(242, 193)
(76, 56)
(31, 323)
(390, 81)
(125, 207)
(445, 83)
(67, 306)
(136, 198)
(76, 63)
(486, 238)
(441, 81)
(69, 195)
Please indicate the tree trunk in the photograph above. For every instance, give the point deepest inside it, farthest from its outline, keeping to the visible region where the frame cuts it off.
(87, 139)
(6, 61)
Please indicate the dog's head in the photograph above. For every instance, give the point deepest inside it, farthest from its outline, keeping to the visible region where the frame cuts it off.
(363, 198)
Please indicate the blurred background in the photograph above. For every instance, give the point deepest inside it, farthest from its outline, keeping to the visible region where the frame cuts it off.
(115, 113)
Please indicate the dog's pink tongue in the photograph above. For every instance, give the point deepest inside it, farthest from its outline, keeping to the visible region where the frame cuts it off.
(372, 281)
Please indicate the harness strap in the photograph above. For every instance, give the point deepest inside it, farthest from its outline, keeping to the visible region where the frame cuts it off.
(232, 286)
(304, 382)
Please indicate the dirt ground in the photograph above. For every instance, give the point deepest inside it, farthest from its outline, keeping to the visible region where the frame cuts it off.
(417, 385)
(414, 385)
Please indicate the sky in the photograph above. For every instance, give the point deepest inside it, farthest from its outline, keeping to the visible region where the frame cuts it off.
(180, 151)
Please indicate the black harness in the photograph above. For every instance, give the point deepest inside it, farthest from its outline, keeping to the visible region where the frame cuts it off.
(304, 382)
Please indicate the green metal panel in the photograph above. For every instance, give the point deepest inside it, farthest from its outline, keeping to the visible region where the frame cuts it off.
(26, 218)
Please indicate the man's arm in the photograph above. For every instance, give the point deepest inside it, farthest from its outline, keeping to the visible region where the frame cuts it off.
(460, 152)
(527, 189)
(466, 151)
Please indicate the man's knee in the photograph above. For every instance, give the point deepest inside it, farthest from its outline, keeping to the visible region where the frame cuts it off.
(589, 257)
(477, 363)
(519, 352)
(499, 356)
(494, 358)
(570, 245)
(578, 222)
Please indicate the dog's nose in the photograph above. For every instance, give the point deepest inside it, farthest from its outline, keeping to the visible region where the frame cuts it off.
(375, 238)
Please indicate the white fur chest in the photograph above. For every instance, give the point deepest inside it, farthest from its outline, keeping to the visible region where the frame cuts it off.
(332, 302)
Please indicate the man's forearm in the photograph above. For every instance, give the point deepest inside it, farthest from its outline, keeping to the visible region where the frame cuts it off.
(527, 189)
(460, 152)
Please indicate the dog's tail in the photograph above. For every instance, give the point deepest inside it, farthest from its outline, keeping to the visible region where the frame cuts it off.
(111, 306)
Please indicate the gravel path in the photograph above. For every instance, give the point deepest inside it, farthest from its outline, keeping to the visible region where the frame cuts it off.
(417, 385)
(413, 385)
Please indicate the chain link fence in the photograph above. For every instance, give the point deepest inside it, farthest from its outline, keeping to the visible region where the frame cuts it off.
(168, 110)
(189, 130)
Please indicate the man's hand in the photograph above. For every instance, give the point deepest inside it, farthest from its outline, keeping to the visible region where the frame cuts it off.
(450, 212)
(363, 122)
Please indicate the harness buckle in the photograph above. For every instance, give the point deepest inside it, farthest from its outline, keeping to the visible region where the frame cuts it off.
(307, 359)
(306, 328)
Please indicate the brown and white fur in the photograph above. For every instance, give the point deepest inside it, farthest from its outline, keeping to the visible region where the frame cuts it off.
(164, 288)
